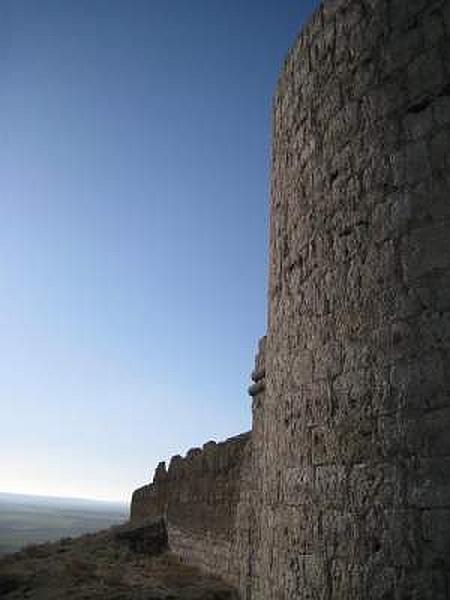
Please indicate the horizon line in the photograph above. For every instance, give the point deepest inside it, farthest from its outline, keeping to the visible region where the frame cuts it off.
(58, 497)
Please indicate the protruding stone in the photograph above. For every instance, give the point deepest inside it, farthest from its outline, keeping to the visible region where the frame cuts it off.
(160, 472)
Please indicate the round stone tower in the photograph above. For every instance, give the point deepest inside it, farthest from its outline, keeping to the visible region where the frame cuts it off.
(355, 465)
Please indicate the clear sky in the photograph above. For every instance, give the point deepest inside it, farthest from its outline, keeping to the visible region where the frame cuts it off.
(134, 231)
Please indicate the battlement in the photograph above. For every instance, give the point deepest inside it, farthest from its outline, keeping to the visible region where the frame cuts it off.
(198, 496)
(342, 489)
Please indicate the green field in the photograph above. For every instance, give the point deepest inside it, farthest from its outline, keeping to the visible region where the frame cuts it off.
(31, 519)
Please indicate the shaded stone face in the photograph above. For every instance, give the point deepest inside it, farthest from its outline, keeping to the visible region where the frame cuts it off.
(356, 416)
(197, 497)
(343, 490)
(148, 537)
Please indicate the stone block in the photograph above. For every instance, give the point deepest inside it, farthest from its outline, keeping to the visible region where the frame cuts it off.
(427, 434)
(330, 9)
(441, 111)
(330, 485)
(445, 11)
(345, 578)
(299, 486)
(417, 165)
(434, 28)
(340, 532)
(427, 249)
(329, 362)
(392, 436)
(394, 341)
(419, 211)
(353, 440)
(418, 124)
(440, 151)
(420, 383)
(441, 296)
(425, 584)
(400, 50)
(378, 580)
(401, 536)
(397, 168)
(436, 527)
(433, 329)
(425, 75)
(429, 483)
(372, 485)
(302, 367)
(408, 15)
(299, 530)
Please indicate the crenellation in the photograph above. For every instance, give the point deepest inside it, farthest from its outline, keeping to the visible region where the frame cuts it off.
(160, 472)
(342, 490)
(198, 497)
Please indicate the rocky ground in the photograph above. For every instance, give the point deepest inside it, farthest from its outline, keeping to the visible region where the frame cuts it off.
(109, 565)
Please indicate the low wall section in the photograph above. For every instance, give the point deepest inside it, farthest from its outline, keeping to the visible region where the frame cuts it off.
(198, 496)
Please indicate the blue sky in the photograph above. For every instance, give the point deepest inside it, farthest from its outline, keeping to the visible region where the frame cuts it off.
(134, 231)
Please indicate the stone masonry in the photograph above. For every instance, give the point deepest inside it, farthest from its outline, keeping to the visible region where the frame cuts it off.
(344, 486)
(198, 496)
(356, 485)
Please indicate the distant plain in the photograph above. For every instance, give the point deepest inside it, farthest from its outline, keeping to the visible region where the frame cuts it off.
(26, 520)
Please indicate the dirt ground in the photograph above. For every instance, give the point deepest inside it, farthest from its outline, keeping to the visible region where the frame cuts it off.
(97, 566)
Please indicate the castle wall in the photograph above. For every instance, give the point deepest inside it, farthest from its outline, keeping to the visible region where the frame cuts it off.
(355, 489)
(198, 497)
(246, 539)
(343, 490)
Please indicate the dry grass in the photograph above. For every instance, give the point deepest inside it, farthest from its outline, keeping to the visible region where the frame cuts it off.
(97, 567)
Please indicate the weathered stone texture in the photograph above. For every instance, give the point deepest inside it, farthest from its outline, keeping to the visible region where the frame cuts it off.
(246, 538)
(355, 451)
(198, 497)
(343, 490)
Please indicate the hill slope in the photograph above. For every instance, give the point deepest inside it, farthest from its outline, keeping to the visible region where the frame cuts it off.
(99, 566)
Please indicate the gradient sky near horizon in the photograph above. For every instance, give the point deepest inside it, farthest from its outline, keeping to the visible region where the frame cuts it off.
(134, 231)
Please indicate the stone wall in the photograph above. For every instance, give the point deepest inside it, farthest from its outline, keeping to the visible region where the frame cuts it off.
(343, 490)
(198, 497)
(246, 538)
(356, 431)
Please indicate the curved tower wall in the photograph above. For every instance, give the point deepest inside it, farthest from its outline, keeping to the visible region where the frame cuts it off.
(355, 466)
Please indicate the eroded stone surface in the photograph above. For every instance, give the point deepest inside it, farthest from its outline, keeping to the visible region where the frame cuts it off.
(344, 488)
(197, 497)
(357, 394)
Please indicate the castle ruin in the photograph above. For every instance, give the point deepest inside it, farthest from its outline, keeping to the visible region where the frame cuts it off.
(342, 489)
